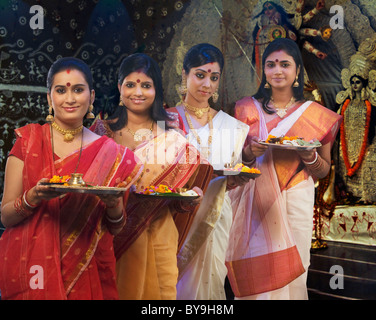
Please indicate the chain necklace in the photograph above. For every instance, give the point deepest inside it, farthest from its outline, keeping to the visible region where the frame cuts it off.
(282, 111)
(68, 134)
(199, 112)
(206, 152)
(137, 136)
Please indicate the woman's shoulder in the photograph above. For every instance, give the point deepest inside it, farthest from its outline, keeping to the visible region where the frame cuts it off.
(101, 127)
(31, 128)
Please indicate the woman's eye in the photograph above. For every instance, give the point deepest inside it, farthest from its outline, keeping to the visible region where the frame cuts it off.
(146, 86)
(200, 75)
(214, 78)
(60, 90)
(129, 85)
(270, 65)
(78, 90)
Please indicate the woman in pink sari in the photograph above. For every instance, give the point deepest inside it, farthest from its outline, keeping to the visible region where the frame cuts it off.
(269, 249)
(59, 246)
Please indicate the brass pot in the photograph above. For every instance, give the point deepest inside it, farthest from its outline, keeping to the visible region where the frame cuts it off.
(76, 180)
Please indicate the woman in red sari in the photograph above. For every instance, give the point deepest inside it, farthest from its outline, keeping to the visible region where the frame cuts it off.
(270, 238)
(59, 246)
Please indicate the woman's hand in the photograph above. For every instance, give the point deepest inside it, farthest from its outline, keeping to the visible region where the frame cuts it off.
(307, 155)
(253, 150)
(41, 192)
(236, 181)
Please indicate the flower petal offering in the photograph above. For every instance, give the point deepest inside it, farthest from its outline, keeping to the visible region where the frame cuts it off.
(239, 169)
(165, 192)
(290, 143)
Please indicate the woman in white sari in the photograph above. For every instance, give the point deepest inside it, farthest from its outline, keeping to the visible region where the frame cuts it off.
(270, 239)
(220, 139)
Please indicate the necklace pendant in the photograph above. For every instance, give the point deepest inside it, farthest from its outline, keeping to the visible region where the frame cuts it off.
(205, 152)
(137, 137)
(68, 137)
(199, 113)
(281, 112)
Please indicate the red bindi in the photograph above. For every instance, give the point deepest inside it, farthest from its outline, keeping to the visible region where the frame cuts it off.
(209, 70)
(276, 60)
(138, 80)
(68, 84)
(68, 71)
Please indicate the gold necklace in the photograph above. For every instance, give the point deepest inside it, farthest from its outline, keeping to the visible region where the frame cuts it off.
(68, 134)
(199, 112)
(281, 112)
(204, 152)
(137, 136)
(53, 147)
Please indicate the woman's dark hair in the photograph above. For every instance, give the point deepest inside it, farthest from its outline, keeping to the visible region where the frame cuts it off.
(69, 63)
(292, 49)
(202, 54)
(141, 62)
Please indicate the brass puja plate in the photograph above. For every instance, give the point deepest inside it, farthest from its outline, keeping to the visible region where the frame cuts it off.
(166, 196)
(291, 147)
(84, 189)
(250, 175)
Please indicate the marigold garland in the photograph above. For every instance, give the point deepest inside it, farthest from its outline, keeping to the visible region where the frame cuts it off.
(352, 170)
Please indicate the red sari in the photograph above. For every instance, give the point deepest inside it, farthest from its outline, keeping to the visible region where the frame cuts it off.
(65, 239)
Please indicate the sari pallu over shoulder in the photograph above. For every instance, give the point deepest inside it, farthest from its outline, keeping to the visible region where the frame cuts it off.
(170, 160)
(60, 238)
(265, 257)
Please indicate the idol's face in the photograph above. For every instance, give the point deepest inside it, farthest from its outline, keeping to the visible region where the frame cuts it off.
(269, 9)
(356, 84)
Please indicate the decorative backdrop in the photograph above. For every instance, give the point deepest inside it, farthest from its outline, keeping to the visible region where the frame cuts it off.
(103, 32)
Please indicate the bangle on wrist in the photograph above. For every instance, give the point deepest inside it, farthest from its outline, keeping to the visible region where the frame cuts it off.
(28, 205)
(116, 223)
(21, 208)
(115, 220)
(314, 160)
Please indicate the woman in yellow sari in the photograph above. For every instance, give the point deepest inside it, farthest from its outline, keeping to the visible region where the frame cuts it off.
(146, 248)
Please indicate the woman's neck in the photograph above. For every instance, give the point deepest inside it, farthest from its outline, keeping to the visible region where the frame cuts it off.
(194, 103)
(138, 121)
(281, 97)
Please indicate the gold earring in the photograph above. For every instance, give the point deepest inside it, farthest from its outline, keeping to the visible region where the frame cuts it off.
(90, 115)
(50, 117)
(296, 83)
(182, 90)
(215, 96)
(267, 85)
(121, 104)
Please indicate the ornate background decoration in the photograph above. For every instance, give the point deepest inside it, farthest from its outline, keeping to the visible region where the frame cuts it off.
(103, 32)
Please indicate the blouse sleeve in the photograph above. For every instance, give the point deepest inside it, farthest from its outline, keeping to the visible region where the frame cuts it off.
(16, 150)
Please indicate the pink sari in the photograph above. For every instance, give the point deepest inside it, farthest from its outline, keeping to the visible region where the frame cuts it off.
(62, 238)
(262, 254)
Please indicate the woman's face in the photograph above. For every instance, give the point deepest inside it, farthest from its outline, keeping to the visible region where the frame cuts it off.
(203, 81)
(137, 92)
(280, 70)
(70, 97)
